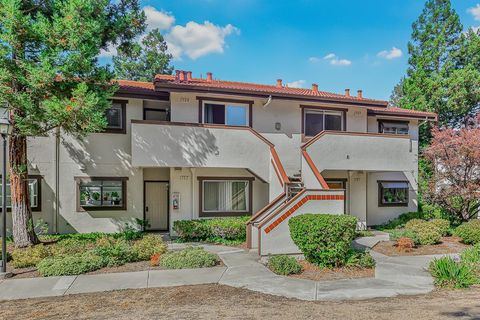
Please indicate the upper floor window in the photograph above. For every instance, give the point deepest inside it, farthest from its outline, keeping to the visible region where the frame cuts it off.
(101, 193)
(115, 115)
(34, 191)
(316, 121)
(229, 114)
(156, 110)
(393, 127)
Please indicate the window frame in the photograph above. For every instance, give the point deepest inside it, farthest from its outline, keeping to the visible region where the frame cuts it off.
(123, 129)
(206, 214)
(145, 110)
(319, 109)
(80, 208)
(380, 194)
(382, 121)
(39, 179)
(225, 101)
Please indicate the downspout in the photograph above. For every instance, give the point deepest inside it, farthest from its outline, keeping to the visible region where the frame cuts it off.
(192, 170)
(57, 180)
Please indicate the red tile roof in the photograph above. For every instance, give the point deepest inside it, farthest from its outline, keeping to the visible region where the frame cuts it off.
(135, 85)
(162, 80)
(402, 112)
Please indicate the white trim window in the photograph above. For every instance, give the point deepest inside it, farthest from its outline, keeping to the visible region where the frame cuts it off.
(316, 121)
(33, 188)
(223, 196)
(393, 127)
(230, 114)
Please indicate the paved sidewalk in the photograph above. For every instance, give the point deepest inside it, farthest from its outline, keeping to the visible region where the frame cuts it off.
(393, 276)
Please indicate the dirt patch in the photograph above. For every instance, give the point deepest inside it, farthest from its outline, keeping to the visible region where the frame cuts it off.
(448, 245)
(315, 273)
(223, 302)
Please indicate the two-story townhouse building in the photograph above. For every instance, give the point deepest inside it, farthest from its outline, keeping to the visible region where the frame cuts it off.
(186, 148)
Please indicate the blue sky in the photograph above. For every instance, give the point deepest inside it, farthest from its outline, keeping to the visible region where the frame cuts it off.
(336, 44)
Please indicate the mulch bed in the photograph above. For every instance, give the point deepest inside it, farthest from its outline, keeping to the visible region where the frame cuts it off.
(448, 245)
(315, 273)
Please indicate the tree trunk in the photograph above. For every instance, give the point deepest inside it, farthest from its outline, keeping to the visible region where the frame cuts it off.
(23, 227)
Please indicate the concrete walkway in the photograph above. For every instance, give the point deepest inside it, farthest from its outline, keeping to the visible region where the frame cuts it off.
(393, 276)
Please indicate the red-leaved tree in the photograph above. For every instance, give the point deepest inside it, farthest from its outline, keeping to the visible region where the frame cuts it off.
(455, 183)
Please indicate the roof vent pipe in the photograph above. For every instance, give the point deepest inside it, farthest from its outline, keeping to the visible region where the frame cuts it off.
(279, 83)
(189, 75)
(209, 76)
(359, 94)
(315, 87)
(181, 75)
(347, 92)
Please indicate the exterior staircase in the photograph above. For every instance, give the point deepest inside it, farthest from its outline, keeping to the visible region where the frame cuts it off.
(295, 186)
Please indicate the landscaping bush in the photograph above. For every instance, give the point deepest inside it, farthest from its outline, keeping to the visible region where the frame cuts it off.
(219, 230)
(449, 273)
(405, 244)
(359, 259)
(74, 264)
(414, 223)
(114, 252)
(324, 239)
(30, 256)
(148, 246)
(428, 234)
(284, 265)
(403, 219)
(469, 231)
(442, 225)
(402, 233)
(471, 255)
(190, 257)
(70, 246)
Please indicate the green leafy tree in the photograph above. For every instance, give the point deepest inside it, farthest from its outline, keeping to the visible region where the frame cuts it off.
(145, 60)
(50, 77)
(397, 94)
(443, 74)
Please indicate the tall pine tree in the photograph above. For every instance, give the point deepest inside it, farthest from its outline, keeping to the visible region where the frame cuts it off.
(50, 77)
(145, 60)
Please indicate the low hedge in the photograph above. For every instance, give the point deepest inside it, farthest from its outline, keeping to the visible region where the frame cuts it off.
(218, 230)
(428, 232)
(469, 231)
(188, 258)
(30, 256)
(73, 264)
(148, 246)
(114, 252)
(324, 239)
(284, 265)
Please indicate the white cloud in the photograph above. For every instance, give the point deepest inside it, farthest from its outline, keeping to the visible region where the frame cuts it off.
(296, 84)
(314, 59)
(158, 19)
(195, 40)
(394, 53)
(335, 61)
(475, 11)
(330, 56)
(476, 29)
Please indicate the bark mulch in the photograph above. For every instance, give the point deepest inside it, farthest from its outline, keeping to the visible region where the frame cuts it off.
(448, 245)
(315, 273)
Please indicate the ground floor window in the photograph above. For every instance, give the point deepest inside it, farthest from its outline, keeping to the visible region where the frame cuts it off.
(101, 193)
(393, 193)
(230, 196)
(34, 188)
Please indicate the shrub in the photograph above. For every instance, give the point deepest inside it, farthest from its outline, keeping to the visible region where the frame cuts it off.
(402, 219)
(405, 244)
(148, 246)
(414, 223)
(449, 273)
(469, 231)
(402, 233)
(359, 259)
(471, 255)
(114, 252)
(155, 260)
(74, 264)
(30, 256)
(70, 246)
(190, 257)
(219, 230)
(442, 225)
(324, 239)
(428, 234)
(284, 265)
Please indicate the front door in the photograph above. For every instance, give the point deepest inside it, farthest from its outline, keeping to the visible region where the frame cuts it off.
(156, 205)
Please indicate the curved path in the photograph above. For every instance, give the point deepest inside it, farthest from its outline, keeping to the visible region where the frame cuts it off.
(393, 276)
